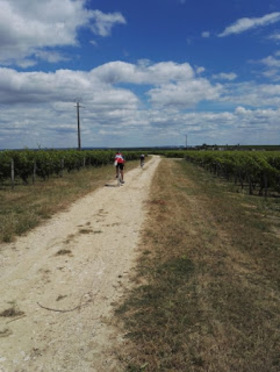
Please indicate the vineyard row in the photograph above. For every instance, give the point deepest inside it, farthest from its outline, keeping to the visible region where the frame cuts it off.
(258, 170)
(26, 164)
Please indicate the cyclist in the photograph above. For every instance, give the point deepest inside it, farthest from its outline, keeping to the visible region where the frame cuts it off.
(142, 159)
(119, 164)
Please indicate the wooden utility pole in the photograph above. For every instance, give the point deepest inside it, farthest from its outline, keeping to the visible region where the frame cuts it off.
(78, 124)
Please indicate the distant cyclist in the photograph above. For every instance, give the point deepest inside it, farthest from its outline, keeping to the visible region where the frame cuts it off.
(119, 163)
(142, 160)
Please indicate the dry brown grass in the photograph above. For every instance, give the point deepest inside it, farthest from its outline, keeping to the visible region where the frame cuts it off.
(207, 284)
(26, 206)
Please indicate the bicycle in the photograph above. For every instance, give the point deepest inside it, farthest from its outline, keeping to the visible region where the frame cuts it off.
(119, 177)
(142, 161)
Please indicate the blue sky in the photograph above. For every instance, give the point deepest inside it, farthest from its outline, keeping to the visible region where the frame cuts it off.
(146, 73)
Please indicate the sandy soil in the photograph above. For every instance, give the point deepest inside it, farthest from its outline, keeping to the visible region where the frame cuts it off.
(64, 277)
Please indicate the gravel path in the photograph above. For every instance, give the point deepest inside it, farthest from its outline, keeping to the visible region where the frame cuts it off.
(64, 276)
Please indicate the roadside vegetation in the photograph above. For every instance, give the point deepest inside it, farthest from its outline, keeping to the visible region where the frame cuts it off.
(207, 284)
(27, 205)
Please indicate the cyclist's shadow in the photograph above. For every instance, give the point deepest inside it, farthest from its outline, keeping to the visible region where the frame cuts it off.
(112, 184)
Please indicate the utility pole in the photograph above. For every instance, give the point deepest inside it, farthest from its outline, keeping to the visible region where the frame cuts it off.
(78, 124)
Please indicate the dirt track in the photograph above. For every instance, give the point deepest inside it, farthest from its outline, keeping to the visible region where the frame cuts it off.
(63, 278)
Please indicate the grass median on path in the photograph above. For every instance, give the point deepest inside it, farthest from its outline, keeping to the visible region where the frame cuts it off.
(206, 294)
(27, 206)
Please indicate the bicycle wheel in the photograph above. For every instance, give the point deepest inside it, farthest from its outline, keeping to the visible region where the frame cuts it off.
(119, 179)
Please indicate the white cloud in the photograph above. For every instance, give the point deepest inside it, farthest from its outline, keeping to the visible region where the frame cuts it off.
(252, 94)
(272, 74)
(271, 61)
(275, 36)
(166, 83)
(144, 72)
(200, 70)
(50, 56)
(38, 108)
(205, 34)
(244, 24)
(172, 84)
(28, 26)
(225, 76)
(271, 66)
(104, 22)
(184, 94)
(241, 110)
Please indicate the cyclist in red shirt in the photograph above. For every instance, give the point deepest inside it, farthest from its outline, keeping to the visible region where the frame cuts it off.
(119, 163)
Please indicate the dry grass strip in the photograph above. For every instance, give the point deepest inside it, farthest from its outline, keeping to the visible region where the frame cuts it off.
(206, 294)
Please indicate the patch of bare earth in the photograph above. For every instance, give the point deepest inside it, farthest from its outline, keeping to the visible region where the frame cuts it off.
(59, 283)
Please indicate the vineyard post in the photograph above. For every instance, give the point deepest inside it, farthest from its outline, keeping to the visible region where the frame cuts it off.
(13, 173)
(34, 172)
(61, 167)
(265, 184)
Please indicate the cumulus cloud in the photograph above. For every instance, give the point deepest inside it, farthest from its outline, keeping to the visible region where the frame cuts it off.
(241, 110)
(183, 94)
(257, 122)
(171, 84)
(144, 72)
(46, 101)
(28, 26)
(244, 24)
(252, 94)
(38, 108)
(167, 83)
